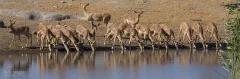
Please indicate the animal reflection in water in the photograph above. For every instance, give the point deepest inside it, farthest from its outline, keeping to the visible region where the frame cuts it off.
(61, 62)
(20, 64)
(140, 58)
(183, 57)
(199, 58)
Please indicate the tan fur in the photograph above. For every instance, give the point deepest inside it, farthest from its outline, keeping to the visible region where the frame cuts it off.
(58, 34)
(45, 35)
(88, 34)
(69, 33)
(18, 31)
(198, 29)
(164, 32)
(116, 33)
(213, 31)
(133, 21)
(134, 36)
(187, 32)
(145, 32)
(102, 17)
(130, 32)
(125, 28)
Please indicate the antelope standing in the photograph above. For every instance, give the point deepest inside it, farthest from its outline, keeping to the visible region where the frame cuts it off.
(133, 21)
(18, 31)
(102, 17)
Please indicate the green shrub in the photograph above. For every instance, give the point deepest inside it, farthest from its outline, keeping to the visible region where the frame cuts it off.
(231, 61)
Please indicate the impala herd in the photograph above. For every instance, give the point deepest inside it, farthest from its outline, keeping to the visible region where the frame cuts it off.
(129, 28)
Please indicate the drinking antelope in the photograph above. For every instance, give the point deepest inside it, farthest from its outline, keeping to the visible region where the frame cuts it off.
(58, 33)
(44, 33)
(130, 32)
(88, 34)
(145, 32)
(213, 31)
(164, 32)
(116, 33)
(198, 29)
(187, 32)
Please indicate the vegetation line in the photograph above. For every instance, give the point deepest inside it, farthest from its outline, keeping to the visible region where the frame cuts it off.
(232, 57)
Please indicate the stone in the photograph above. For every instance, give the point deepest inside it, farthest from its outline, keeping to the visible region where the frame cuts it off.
(2, 24)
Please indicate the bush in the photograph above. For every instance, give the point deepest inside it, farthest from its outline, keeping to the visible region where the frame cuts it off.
(232, 59)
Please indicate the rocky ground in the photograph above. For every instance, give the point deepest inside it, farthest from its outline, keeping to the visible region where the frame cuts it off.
(170, 12)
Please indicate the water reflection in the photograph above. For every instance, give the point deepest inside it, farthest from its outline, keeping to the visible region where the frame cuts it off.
(20, 66)
(138, 58)
(106, 64)
(199, 58)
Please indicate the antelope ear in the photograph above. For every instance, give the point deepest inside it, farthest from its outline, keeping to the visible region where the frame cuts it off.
(87, 4)
(141, 12)
(12, 22)
(63, 24)
(135, 11)
(81, 4)
(98, 24)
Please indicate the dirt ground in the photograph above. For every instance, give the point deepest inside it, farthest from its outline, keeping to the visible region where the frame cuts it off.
(170, 12)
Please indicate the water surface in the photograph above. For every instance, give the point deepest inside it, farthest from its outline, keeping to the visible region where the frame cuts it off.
(160, 64)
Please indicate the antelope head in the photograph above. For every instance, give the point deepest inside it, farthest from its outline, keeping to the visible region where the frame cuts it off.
(11, 26)
(205, 45)
(84, 5)
(176, 44)
(218, 42)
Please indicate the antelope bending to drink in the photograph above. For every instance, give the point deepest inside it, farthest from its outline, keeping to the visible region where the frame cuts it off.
(187, 32)
(44, 33)
(130, 32)
(145, 32)
(116, 33)
(213, 31)
(70, 35)
(164, 32)
(88, 34)
(58, 32)
(198, 29)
